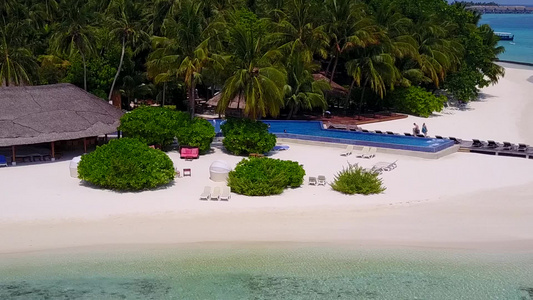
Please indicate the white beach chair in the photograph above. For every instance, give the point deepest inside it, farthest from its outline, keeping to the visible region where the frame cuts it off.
(206, 194)
(216, 194)
(321, 180)
(347, 151)
(363, 152)
(371, 153)
(383, 166)
(226, 193)
(312, 180)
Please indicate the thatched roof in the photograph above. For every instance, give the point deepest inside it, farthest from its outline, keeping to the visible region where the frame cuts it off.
(38, 114)
(335, 87)
(237, 102)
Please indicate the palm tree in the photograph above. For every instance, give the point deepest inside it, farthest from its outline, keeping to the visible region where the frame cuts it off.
(16, 60)
(302, 91)
(183, 52)
(126, 19)
(75, 34)
(255, 78)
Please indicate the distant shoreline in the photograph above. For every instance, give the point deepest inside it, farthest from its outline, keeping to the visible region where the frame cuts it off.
(515, 62)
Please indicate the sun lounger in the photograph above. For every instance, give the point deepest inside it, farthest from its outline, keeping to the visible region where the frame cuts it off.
(439, 137)
(383, 166)
(420, 135)
(390, 132)
(407, 134)
(280, 148)
(492, 144)
(347, 151)
(206, 194)
(363, 152)
(226, 193)
(456, 141)
(312, 181)
(371, 153)
(365, 130)
(3, 161)
(522, 147)
(338, 126)
(477, 143)
(321, 180)
(378, 131)
(507, 146)
(216, 193)
(353, 128)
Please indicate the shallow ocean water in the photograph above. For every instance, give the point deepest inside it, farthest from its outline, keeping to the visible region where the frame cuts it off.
(521, 25)
(265, 272)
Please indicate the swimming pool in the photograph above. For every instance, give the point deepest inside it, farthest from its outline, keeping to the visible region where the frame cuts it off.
(314, 131)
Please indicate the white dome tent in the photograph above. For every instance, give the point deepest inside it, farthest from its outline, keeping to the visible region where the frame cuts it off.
(219, 170)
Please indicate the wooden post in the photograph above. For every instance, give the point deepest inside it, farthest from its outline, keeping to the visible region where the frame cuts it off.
(13, 161)
(84, 145)
(105, 138)
(53, 156)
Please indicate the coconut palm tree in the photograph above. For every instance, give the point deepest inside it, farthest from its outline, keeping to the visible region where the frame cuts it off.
(74, 34)
(127, 19)
(255, 78)
(16, 60)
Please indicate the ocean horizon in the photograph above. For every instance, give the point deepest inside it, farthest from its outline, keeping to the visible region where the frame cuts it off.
(237, 271)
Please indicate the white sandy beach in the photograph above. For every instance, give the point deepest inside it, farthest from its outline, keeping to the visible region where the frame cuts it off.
(466, 201)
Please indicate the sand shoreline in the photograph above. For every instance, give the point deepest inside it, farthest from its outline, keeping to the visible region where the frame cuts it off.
(463, 201)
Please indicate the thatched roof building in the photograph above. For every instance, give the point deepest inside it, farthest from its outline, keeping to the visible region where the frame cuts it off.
(48, 113)
(335, 87)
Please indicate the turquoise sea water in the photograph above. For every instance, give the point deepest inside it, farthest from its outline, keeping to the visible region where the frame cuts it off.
(266, 272)
(521, 25)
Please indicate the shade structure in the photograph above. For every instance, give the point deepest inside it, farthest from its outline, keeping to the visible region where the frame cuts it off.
(73, 166)
(238, 101)
(219, 170)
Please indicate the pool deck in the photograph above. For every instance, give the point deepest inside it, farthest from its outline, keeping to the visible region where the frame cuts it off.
(419, 154)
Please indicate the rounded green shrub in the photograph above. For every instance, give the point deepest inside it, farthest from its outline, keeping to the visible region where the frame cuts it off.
(265, 176)
(356, 180)
(153, 125)
(196, 133)
(416, 100)
(244, 136)
(126, 165)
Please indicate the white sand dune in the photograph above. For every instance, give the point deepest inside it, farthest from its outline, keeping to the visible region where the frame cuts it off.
(463, 200)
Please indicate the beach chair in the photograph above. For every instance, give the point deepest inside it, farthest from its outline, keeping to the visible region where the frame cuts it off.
(455, 140)
(365, 130)
(363, 152)
(312, 181)
(371, 153)
(347, 151)
(226, 193)
(439, 137)
(407, 134)
(492, 144)
(420, 135)
(3, 161)
(186, 172)
(206, 194)
(507, 146)
(353, 128)
(390, 132)
(378, 131)
(383, 166)
(216, 194)
(522, 147)
(477, 143)
(321, 180)
(280, 148)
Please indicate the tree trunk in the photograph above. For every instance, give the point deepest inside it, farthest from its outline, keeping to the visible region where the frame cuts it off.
(348, 97)
(291, 111)
(362, 95)
(329, 65)
(119, 67)
(334, 68)
(191, 98)
(84, 71)
(164, 91)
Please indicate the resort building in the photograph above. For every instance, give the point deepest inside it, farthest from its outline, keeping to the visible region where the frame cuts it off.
(37, 120)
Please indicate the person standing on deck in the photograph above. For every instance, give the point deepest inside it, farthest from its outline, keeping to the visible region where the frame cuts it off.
(424, 129)
(416, 130)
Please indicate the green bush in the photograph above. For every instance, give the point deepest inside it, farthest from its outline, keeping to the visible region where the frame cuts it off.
(244, 136)
(356, 180)
(416, 100)
(126, 165)
(153, 125)
(265, 176)
(196, 133)
(158, 125)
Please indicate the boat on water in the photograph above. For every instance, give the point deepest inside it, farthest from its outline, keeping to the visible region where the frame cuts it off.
(505, 36)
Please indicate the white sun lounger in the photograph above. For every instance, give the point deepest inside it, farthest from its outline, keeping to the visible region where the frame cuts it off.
(216, 194)
(226, 193)
(321, 180)
(206, 194)
(363, 152)
(312, 180)
(371, 153)
(384, 166)
(347, 151)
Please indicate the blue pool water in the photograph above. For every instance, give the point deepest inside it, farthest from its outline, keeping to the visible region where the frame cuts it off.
(313, 131)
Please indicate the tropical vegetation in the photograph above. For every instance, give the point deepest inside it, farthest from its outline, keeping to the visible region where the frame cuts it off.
(356, 180)
(245, 136)
(264, 52)
(265, 176)
(126, 165)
